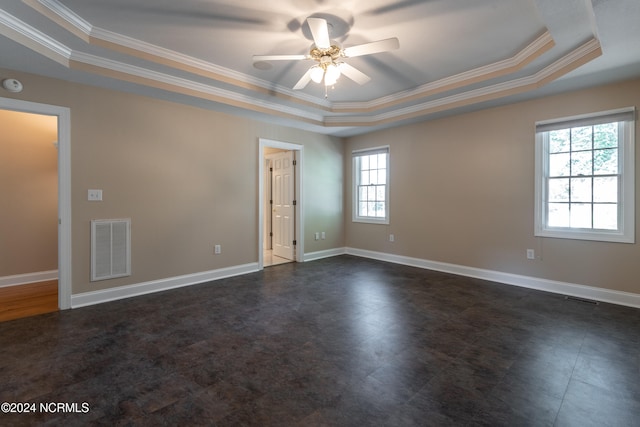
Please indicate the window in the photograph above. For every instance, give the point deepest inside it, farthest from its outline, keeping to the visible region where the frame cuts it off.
(585, 177)
(371, 185)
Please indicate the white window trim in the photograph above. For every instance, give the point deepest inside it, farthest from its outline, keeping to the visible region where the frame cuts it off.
(354, 206)
(626, 135)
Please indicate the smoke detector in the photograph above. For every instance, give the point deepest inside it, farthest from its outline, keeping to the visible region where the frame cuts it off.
(12, 85)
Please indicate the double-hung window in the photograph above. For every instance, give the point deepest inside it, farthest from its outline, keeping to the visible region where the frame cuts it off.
(585, 177)
(371, 185)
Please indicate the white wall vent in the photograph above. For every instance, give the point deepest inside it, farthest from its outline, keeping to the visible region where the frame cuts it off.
(110, 248)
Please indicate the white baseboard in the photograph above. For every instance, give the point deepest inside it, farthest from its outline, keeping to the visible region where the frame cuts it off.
(20, 279)
(121, 292)
(564, 288)
(312, 256)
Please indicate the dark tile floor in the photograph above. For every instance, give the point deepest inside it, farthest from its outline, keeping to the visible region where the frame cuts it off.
(335, 342)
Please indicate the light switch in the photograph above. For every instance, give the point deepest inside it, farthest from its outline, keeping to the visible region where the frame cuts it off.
(95, 196)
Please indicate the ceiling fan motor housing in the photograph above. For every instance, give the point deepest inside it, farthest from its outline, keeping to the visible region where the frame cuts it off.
(332, 53)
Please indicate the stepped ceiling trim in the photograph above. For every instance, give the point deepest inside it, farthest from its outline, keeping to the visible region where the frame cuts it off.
(157, 67)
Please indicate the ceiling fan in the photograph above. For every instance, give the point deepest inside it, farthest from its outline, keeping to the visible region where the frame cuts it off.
(328, 55)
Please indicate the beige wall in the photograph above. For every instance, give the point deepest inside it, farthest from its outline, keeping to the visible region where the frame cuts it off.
(29, 192)
(462, 192)
(187, 178)
(461, 187)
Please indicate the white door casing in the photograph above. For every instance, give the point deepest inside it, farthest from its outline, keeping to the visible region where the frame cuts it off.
(265, 144)
(283, 212)
(64, 187)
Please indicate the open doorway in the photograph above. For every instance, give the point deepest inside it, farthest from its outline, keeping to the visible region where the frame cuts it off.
(280, 219)
(29, 218)
(40, 263)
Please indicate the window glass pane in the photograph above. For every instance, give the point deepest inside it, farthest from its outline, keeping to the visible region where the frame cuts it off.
(371, 193)
(559, 190)
(605, 135)
(581, 163)
(581, 138)
(362, 193)
(605, 217)
(605, 161)
(380, 209)
(559, 164)
(382, 161)
(362, 208)
(558, 215)
(559, 141)
(373, 176)
(605, 189)
(364, 162)
(382, 176)
(373, 161)
(371, 209)
(364, 178)
(581, 190)
(380, 192)
(580, 216)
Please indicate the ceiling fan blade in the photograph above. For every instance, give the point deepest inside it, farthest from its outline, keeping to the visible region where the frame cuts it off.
(320, 32)
(304, 80)
(354, 74)
(373, 47)
(257, 58)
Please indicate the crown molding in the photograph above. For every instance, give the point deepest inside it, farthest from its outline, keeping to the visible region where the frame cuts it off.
(109, 68)
(72, 22)
(579, 56)
(63, 16)
(159, 55)
(26, 35)
(535, 49)
(137, 48)
(288, 103)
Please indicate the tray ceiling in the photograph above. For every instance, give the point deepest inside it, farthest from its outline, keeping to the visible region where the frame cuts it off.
(454, 55)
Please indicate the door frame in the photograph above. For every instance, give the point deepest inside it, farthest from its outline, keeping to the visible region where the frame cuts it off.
(298, 151)
(64, 187)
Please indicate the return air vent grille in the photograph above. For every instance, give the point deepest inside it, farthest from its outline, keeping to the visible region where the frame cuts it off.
(110, 248)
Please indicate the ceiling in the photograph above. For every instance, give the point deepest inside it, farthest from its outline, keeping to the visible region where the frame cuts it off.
(454, 55)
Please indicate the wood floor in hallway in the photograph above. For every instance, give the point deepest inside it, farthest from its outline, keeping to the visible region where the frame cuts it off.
(28, 300)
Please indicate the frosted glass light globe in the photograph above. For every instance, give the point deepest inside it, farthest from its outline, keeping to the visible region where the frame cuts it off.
(332, 74)
(316, 74)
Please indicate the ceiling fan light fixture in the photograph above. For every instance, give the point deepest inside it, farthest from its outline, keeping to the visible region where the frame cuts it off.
(332, 74)
(327, 55)
(329, 82)
(317, 73)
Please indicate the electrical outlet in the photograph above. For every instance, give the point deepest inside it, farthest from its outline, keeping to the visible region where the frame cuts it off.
(217, 249)
(94, 195)
(392, 238)
(317, 236)
(531, 254)
(323, 236)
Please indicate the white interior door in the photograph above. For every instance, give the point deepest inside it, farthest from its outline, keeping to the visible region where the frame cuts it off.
(283, 220)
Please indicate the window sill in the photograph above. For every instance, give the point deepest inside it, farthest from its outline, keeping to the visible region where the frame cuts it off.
(384, 221)
(603, 236)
